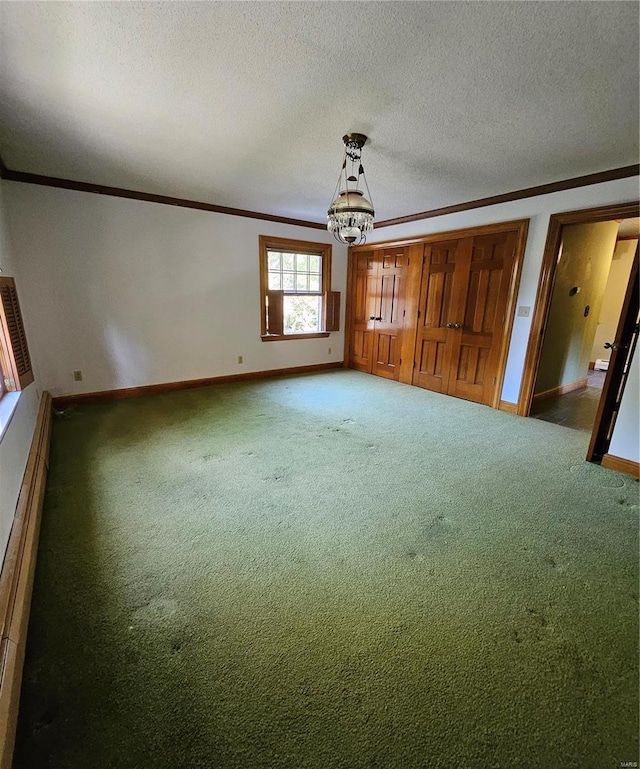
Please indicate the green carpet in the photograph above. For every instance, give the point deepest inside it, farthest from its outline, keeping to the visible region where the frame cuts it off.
(329, 572)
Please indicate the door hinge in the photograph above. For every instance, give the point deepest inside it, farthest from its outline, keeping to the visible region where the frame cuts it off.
(494, 380)
(404, 312)
(418, 313)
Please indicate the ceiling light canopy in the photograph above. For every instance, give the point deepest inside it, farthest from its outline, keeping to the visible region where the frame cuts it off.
(350, 216)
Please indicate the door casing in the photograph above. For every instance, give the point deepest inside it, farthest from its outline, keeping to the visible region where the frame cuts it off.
(546, 283)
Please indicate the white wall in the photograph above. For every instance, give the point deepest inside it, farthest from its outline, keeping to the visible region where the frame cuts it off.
(134, 293)
(538, 210)
(624, 441)
(15, 440)
(587, 251)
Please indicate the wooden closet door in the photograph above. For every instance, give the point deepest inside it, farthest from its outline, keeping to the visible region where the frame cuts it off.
(475, 346)
(442, 296)
(387, 332)
(365, 306)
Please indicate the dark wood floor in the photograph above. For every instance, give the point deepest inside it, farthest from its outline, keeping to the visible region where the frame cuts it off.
(576, 409)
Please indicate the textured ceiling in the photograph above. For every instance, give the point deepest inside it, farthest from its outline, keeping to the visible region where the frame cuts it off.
(244, 104)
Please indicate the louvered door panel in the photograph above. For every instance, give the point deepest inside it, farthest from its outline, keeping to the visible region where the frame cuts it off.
(16, 361)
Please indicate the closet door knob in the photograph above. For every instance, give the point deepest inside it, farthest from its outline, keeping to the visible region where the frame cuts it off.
(371, 317)
(449, 325)
(457, 325)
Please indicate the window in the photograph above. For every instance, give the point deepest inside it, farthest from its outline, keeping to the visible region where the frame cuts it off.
(15, 363)
(295, 278)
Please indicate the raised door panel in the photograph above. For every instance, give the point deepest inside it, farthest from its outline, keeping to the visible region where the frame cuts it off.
(387, 335)
(476, 345)
(365, 302)
(385, 354)
(435, 310)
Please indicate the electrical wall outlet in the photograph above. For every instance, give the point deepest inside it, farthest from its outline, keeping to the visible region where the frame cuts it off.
(239, 358)
(329, 351)
(523, 311)
(77, 376)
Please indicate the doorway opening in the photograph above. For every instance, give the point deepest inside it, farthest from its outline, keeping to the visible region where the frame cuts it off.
(585, 322)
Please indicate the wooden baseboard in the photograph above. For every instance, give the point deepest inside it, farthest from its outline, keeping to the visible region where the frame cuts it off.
(621, 465)
(16, 579)
(561, 390)
(510, 408)
(155, 389)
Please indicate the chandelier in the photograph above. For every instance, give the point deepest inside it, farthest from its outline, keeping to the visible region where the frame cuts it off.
(350, 216)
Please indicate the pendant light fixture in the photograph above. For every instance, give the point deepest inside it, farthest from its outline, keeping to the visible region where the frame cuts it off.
(350, 216)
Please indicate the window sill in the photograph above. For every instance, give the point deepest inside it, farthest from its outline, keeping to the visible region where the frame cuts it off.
(8, 404)
(286, 337)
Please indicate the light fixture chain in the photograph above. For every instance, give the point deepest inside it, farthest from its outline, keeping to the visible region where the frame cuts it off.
(350, 215)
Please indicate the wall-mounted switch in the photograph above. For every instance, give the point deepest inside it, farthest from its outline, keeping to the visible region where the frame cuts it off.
(239, 358)
(77, 376)
(523, 311)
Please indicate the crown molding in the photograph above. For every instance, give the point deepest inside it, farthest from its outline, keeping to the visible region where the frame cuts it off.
(119, 192)
(528, 192)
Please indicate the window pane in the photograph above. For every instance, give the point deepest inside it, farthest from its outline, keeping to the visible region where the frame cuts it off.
(274, 281)
(274, 260)
(288, 262)
(298, 273)
(302, 314)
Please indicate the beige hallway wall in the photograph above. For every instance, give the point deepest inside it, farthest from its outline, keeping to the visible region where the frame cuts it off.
(585, 259)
